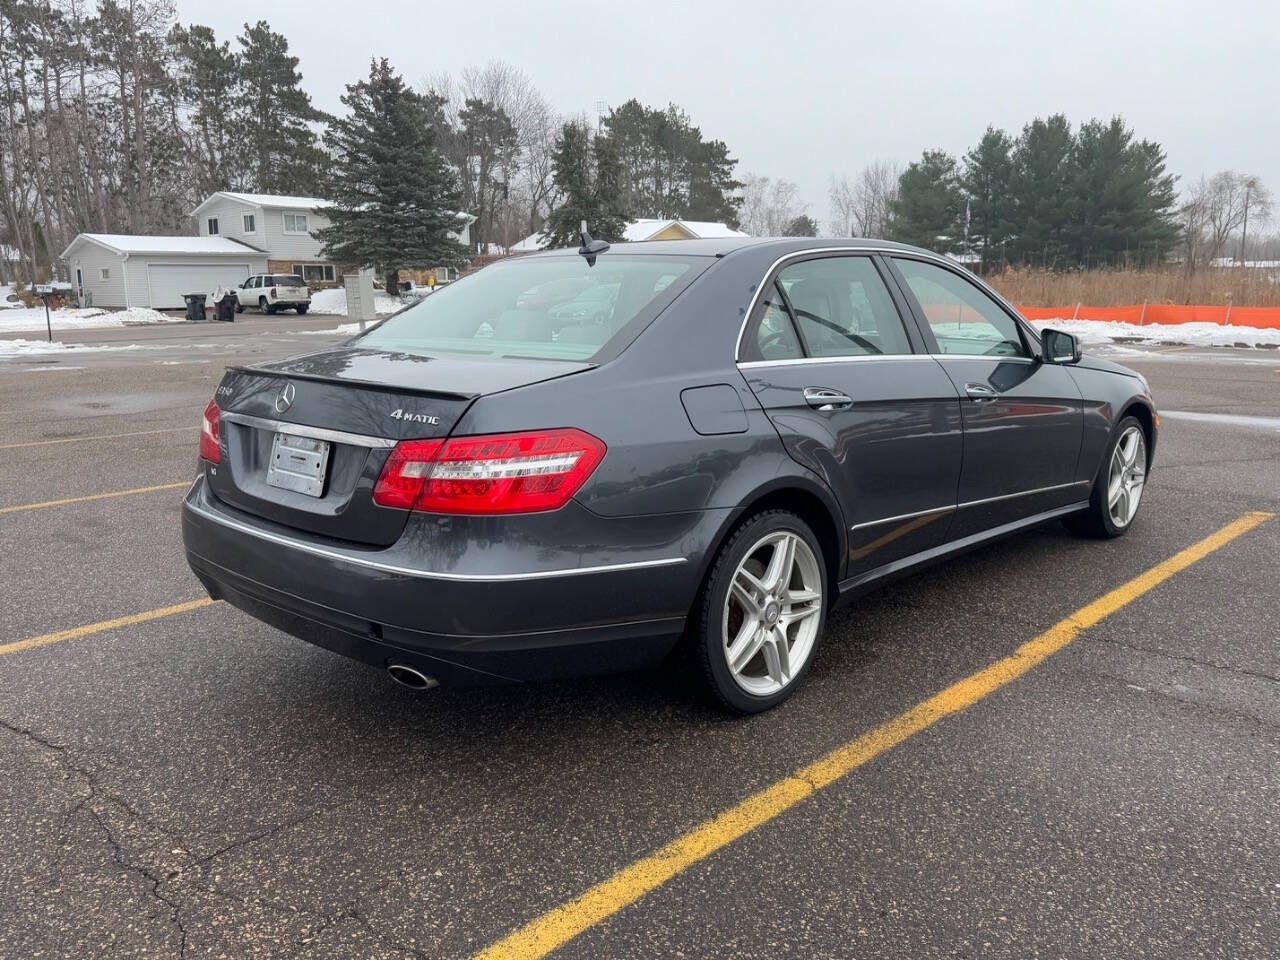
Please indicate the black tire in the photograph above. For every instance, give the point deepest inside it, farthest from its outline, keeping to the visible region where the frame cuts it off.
(239, 307)
(302, 310)
(262, 305)
(1097, 521)
(703, 637)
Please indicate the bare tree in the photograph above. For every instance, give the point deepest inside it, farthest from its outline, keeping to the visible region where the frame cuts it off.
(768, 206)
(1194, 220)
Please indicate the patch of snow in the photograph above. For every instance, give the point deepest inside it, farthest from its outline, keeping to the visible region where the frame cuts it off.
(334, 303)
(27, 348)
(1197, 334)
(47, 367)
(22, 319)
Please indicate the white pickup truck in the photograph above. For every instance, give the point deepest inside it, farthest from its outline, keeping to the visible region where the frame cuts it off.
(270, 292)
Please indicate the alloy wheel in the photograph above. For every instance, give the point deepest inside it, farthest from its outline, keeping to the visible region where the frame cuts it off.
(1127, 476)
(771, 613)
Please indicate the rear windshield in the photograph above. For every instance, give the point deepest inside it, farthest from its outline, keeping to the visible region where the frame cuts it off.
(286, 280)
(555, 308)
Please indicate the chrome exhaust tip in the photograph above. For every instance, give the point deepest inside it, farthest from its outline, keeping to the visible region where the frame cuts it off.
(407, 676)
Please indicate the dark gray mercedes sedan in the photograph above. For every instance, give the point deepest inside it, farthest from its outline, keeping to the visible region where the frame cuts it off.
(584, 461)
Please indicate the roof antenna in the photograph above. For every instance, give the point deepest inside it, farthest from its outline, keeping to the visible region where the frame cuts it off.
(590, 247)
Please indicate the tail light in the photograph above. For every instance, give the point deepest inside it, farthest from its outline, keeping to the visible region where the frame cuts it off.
(499, 473)
(210, 448)
(272, 294)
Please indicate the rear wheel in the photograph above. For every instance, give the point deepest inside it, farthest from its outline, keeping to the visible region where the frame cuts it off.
(760, 614)
(302, 310)
(1117, 491)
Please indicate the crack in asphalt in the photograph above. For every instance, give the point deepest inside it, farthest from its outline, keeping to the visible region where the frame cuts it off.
(58, 755)
(1184, 658)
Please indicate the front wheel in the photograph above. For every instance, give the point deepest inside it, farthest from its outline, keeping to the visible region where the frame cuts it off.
(1117, 491)
(760, 613)
(239, 307)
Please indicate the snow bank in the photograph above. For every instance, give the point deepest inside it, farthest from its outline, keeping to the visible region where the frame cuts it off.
(334, 302)
(1195, 334)
(21, 319)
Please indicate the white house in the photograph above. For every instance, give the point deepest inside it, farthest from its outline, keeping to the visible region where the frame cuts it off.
(280, 226)
(116, 270)
(652, 228)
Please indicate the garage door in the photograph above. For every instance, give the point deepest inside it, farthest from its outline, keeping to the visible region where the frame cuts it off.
(169, 281)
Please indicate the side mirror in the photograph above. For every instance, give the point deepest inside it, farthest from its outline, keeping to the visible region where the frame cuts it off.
(1059, 347)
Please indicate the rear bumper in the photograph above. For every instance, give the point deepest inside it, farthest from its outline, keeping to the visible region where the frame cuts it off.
(609, 612)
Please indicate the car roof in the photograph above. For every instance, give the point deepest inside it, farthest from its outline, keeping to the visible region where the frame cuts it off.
(722, 246)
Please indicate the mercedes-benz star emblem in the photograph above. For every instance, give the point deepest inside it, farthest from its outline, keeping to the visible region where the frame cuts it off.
(284, 399)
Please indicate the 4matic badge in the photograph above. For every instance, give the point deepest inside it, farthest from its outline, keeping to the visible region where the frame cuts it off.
(399, 414)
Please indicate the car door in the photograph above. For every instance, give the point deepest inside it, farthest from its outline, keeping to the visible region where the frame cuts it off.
(1023, 419)
(244, 293)
(857, 399)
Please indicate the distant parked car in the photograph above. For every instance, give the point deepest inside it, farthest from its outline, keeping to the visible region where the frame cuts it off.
(270, 292)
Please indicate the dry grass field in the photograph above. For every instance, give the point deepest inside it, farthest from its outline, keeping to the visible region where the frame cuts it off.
(1210, 286)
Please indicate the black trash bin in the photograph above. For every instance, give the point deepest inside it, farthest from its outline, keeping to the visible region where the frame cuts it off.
(195, 305)
(226, 308)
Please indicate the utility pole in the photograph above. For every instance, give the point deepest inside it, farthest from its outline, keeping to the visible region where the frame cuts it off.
(1244, 230)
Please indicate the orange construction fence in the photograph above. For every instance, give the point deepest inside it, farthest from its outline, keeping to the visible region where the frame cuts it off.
(1267, 317)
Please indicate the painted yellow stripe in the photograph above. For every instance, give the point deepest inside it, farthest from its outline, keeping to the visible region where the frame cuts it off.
(47, 638)
(560, 925)
(94, 496)
(100, 436)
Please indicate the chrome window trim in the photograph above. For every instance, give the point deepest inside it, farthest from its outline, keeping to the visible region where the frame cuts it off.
(358, 561)
(973, 503)
(888, 252)
(982, 356)
(315, 433)
(797, 361)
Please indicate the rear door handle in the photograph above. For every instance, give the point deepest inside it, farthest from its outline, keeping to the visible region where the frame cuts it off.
(980, 392)
(824, 398)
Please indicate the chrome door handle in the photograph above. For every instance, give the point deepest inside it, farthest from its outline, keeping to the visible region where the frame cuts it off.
(824, 398)
(980, 392)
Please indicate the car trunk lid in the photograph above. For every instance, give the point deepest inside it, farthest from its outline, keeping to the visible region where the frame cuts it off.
(305, 439)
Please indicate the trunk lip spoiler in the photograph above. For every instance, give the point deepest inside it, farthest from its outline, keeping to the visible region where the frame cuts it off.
(366, 384)
(305, 430)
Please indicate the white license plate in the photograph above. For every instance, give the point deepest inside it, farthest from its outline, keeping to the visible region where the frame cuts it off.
(298, 464)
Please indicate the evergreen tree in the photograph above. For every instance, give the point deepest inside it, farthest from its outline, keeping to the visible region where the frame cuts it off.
(802, 226)
(209, 84)
(929, 205)
(1042, 186)
(278, 114)
(590, 180)
(393, 196)
(985, 182)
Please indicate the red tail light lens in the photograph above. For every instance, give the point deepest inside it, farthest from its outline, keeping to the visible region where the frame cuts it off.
(210, 448)
(405, 473)
(495, 474)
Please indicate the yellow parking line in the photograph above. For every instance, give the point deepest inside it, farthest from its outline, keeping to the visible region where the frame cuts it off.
(94, 496)
(560, 925)
(47, 638)
(99, 436)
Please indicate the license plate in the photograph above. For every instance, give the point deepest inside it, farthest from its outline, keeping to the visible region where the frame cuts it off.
(298, 464)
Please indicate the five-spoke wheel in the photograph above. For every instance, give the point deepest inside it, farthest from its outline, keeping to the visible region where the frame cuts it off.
(761, 614)
(1117, 491)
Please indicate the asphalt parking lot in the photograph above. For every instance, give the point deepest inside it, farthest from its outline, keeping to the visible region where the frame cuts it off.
(192, 783)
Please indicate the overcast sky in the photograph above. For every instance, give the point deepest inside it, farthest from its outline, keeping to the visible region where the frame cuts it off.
(803, 89)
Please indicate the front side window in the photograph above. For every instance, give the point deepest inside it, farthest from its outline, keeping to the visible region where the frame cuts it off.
(558, 308)
(964, 320)
(250, 223)
(295, 223)
(213, 226)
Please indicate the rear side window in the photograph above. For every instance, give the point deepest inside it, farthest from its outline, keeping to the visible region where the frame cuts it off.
(557, 308)
(838, 306)
(963, 319)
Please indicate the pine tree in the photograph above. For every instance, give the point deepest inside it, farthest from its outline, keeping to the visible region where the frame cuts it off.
(491, 143)
(278, 113)
(929, 205)
(393, 198)
(209, 83)
(589, 177)
(1042, 186)
(802, 226)
(985, 182)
